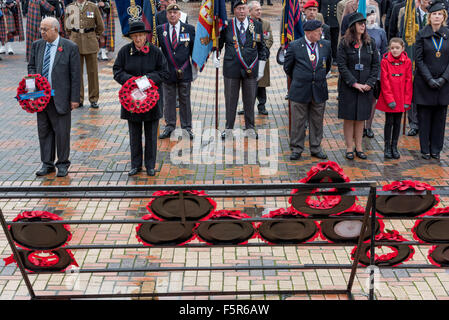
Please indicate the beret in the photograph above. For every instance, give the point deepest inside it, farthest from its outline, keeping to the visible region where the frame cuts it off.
(173, 6)
(311, 3)
(239, 3)
(311, 25)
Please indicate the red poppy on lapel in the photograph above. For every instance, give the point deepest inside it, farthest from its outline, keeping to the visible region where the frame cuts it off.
(60, 48)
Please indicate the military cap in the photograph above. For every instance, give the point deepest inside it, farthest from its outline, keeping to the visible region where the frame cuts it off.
(311, 4)
(239, 3)
(311, 25)
(173, 6)
(436, 5)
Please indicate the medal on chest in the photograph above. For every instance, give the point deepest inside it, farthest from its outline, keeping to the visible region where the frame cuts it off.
(437, 46)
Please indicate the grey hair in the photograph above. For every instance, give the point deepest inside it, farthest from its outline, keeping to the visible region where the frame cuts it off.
(252, 4)
(53, 21)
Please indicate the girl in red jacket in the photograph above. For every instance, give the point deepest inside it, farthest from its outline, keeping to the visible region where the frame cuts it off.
(396, 93)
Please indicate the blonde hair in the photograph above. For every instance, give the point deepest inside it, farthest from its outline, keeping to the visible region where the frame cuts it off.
(444, 14)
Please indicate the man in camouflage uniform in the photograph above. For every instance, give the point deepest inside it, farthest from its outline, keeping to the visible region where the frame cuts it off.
(84, 26)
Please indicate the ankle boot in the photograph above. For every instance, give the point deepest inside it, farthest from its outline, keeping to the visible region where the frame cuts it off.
(387, 150)
(394, 149)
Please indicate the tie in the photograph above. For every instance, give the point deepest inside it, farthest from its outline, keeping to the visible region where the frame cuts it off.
(46, 65)
(242, 33)
(313, 52)
(174, 38)
(424, 19)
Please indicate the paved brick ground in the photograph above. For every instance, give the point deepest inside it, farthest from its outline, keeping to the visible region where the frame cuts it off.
(100, 156)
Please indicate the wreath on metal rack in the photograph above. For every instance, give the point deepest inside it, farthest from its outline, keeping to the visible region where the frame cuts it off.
(36, 101)
(135, 105)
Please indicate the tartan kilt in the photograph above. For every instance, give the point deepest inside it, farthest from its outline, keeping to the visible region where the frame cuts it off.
(109, 30)
(2, 30)
(12, 25)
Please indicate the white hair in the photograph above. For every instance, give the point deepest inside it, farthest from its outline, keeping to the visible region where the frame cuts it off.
(53, 21)
(252, 4)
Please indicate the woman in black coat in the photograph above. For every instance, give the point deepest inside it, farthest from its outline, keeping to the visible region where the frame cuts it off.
(132, 61)
(358, 65)
(431, 86)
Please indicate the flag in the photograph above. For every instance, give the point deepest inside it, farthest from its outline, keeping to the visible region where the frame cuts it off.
(291, 28)
(205, 38)
(132, 10)
(410, 28)
(362, 7)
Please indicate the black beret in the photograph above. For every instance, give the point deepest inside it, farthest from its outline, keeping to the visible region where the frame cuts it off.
(311, 25)
(436, 5)
(239, 3)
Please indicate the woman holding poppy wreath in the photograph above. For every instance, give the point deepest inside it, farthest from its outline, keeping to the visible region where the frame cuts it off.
(141, 58)
(358, 65)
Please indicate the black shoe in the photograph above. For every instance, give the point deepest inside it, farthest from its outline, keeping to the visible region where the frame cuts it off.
(240, 112)
(319, 155)
(151, 172)
(263, 112)
(349, 155)
(269, 3)
(286, 96)
(94, 105)
(295, 156)
(166, 134)
(369, 133)
(360, 154)
(425, 156)
(62, 172)
(44, 171)
(387, 150)
(394, 150)
(80, 105)
(364, 133)
(435, 156)
(189, 131)
(134, 171)
(412, 132)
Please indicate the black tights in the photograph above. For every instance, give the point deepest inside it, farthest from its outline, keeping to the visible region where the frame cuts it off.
(392, 126)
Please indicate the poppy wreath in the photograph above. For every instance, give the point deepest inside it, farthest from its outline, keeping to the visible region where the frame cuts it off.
(43, 261)
(213, 231)
(38, 104)
(288, 231)
(160, 194)
(43, 237)
(328, 227)
(164, 233)
(407, 205)
(431, 231)
(138, 106)
(400, 253)
(438, 255)
(323, 172)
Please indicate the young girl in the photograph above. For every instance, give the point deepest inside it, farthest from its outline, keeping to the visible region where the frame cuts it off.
(396, 93)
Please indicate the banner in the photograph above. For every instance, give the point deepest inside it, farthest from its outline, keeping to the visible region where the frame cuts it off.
(291, 28)
(410, 28)
(135, 10)
(362, 7)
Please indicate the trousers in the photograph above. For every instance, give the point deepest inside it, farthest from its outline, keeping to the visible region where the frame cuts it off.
(135, 141)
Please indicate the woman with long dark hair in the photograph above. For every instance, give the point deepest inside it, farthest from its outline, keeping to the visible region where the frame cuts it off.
(431, 86)
(358, 66)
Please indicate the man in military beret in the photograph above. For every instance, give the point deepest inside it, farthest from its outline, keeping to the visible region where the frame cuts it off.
(310, 13)
(176, 40)
(307, 62)
(161, 16)
(244, 63)
(84, 26)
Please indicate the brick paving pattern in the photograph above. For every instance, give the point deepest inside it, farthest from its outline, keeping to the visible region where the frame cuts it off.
(100, 157)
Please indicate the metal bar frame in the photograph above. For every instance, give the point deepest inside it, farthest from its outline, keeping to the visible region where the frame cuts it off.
(244, 191)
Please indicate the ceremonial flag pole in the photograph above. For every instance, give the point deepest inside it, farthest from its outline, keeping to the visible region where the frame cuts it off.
(215, 45)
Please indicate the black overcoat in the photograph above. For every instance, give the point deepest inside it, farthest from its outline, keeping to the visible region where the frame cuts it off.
(428, 66)
(131, 62)
(353, 104)
(307, 83)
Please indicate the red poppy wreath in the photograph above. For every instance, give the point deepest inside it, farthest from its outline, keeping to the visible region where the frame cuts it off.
(135, 105)
(38, 100)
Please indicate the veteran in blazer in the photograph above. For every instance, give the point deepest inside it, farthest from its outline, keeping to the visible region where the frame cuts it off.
(84, 26)
(307, 62)
(176, 40)
(243, 64)
(58, 60)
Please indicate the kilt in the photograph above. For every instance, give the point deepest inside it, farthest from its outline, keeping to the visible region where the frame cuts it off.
(11, 25)
(109, 28)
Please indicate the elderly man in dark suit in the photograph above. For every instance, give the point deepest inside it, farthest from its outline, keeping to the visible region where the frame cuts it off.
(58, 60)
(244, 63)
(176, 40)
(307, 62)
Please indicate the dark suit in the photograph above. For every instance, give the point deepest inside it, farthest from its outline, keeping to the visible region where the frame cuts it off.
(308, 91)
(54, 122)
(328, 8)
(236, 74)
(178, 59)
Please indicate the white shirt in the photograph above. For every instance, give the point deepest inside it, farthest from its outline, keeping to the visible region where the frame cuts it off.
(238, 24)
(308, 49)
(53, 49)
(422, 13)
(178, 29)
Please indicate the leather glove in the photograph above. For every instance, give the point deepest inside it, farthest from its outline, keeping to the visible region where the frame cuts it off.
(441, 82)
(261, 69)
(392, 105)
(216, 60)
(433, 84)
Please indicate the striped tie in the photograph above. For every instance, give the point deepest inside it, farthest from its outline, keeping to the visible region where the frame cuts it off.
(242, 33)
(313, 52)
(46, 66)
(174, 39)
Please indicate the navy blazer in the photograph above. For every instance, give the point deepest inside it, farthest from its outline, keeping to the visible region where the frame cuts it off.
(66, 72)
(253, 48)
(183, 52)
(307, 83)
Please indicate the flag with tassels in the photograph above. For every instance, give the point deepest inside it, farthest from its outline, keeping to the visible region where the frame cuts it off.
(291, 28)
(410, 27)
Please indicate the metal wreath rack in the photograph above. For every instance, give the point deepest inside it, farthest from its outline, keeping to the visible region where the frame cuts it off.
(367, 189)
